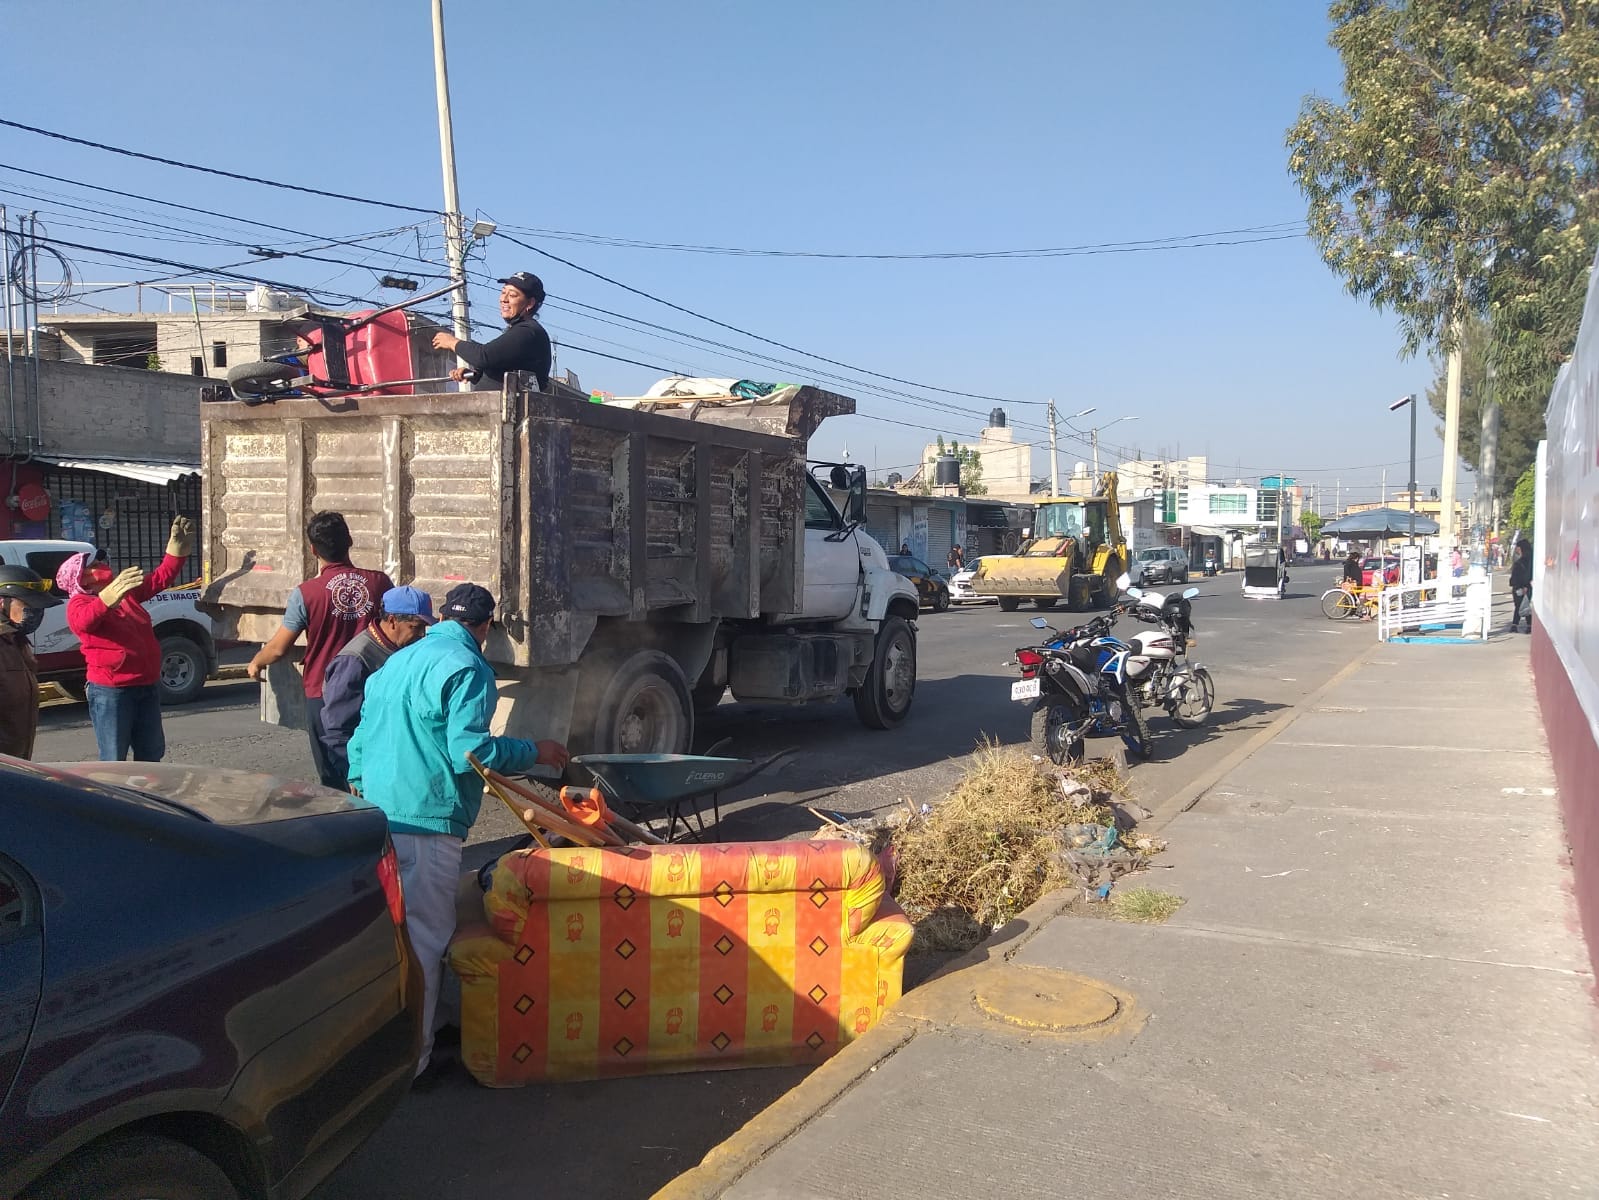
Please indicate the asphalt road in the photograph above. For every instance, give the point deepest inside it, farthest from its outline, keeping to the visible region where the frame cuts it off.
(625, 1138)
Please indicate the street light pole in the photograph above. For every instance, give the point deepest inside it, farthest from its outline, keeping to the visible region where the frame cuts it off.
(1093, 437)
(1402, 402)
(454, 235)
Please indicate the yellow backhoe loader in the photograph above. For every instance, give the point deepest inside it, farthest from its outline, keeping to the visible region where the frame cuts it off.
(1075, 552)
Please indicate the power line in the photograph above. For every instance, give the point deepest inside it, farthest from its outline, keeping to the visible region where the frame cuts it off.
(747, 333)
(188, 166)
(1281, 231)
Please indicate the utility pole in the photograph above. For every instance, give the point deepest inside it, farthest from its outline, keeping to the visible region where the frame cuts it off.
(1385, 485)
(1054, 472)
(454, 235)
(1488, 466)
(1093, 436)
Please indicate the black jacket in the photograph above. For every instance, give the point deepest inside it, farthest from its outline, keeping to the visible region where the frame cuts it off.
(1521, 571)
(524, 346)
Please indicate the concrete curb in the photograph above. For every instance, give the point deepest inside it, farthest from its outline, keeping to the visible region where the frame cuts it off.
(1190, 794)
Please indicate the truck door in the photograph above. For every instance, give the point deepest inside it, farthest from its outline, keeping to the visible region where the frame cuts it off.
(832, 568)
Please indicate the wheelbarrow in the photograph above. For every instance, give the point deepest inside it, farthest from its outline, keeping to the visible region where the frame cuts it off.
(650, 787)
(364, 353)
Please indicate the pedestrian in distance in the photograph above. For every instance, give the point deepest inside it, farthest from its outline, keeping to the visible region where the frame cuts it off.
(904, 547)
(425, 712)
(23, 599)
(330, 608)
(404, 616)
(106, 610)
(1521, 585)
(524, 346)
(956, 559)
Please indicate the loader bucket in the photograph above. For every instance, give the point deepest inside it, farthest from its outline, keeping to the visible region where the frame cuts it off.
(1023, 575)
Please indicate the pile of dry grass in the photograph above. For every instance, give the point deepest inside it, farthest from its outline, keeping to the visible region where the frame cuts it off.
(994, 846)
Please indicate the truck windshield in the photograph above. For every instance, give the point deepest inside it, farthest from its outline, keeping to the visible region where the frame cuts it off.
(1059, 520)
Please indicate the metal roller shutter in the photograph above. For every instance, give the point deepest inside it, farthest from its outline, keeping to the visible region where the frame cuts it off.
(940, 535)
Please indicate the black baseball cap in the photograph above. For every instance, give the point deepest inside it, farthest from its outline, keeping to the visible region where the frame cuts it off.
(469, 603)
(529, 284)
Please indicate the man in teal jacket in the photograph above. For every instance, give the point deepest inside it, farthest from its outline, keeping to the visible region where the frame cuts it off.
(426, 709)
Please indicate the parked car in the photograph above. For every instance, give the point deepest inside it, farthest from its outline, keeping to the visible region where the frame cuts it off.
(932, 587)
(188, 647)
(206, 989)
(1370, 568)
(960, 585)
(1159, 564)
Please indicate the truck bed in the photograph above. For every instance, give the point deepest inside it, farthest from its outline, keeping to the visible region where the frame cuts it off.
(567, 511)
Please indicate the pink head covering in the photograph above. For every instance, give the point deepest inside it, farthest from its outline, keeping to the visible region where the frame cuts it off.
(69, 576)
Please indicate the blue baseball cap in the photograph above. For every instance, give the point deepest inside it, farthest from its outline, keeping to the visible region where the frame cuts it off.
(408, 602)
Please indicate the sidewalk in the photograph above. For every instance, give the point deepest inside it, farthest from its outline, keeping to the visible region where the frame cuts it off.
(1376, 988)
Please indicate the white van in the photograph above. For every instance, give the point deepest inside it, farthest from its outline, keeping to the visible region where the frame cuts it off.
(188, 648)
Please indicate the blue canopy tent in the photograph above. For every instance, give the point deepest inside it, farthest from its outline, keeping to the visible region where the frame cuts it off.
(1380, 523)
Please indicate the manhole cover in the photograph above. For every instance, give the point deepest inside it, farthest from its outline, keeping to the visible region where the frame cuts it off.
(1047, 1001)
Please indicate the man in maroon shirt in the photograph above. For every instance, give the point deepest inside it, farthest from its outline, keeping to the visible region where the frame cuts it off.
(330, 609)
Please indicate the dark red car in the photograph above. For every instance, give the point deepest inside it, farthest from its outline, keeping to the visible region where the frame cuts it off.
(206, 990)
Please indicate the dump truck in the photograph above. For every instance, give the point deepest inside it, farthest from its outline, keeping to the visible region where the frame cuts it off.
(646, 555)
(1074, 553)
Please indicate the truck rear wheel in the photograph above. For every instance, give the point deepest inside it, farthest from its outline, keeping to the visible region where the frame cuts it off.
(638, 705)
(1009, 603)
(884, 698)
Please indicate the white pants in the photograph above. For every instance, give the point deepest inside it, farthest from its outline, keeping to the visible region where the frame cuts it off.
(430, 872)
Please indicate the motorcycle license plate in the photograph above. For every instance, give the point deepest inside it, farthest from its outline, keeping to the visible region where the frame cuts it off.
(1027, 689)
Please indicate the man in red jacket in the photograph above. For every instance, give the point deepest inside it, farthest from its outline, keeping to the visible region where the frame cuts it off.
(330, 609)
(107, 613)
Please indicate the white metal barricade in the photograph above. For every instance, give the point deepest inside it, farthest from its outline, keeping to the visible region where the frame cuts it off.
(1437, 603)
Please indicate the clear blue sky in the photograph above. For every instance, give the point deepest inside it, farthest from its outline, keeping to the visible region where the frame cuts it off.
(863, 128)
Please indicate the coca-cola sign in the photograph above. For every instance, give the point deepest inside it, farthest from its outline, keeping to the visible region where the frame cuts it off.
(33, 502)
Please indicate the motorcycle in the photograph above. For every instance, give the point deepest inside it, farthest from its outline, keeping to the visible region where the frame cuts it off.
(1084, 681)
(1182, 687)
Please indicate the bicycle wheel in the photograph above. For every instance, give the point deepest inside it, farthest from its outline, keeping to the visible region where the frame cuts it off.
(1336, 604)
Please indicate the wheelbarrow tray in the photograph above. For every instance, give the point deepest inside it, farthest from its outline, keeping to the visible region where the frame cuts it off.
(662, 780)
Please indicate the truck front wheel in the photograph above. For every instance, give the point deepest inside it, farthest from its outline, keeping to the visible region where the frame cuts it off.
(640, 705)
(1009, 603)
(884, 698)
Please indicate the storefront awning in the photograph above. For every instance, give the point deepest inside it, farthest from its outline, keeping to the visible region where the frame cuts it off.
(145, 472)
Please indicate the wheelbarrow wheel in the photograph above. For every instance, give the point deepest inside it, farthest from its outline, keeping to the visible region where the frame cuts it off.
(884, 698)
(638, 704)
(261, 378)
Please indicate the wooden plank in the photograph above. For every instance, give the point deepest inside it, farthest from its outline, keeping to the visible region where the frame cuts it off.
(393, 513)
(703, 607)
(294, 500)
(547, 529)
(638, 565)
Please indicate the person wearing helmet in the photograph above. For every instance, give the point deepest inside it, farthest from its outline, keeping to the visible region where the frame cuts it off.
(23, 599)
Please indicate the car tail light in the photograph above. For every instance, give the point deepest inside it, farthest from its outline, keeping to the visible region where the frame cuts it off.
(1029, 661)
(393, 889)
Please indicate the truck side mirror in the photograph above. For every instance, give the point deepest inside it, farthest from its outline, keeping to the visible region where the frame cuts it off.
(853, 481)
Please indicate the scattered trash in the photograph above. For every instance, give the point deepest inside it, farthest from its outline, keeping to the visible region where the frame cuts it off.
(1280, 874)
(1012, 829)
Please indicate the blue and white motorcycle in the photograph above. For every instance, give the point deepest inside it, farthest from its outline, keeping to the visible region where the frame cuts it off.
(1084, 681)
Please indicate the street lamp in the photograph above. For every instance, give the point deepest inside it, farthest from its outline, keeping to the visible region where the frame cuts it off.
(1093, 435)
(1402, 402)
